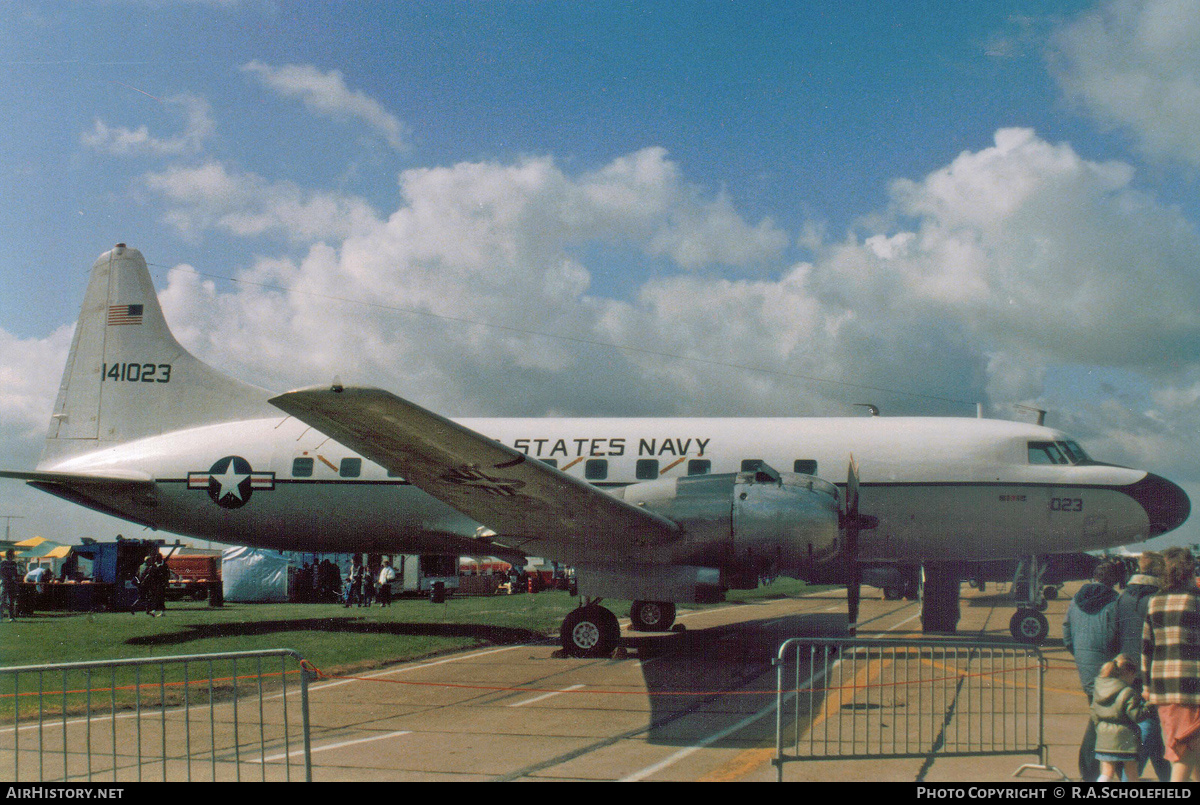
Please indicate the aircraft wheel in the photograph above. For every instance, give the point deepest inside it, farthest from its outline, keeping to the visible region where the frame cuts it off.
(652, 616)
(1050, 593)
(1029, 626)
(590, 631)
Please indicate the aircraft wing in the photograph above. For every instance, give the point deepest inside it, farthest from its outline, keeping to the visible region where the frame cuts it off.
(530, 505)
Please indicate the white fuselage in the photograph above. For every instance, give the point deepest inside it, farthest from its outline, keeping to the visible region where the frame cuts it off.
(946, 489)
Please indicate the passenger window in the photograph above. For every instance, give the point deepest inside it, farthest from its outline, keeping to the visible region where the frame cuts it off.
(302, 468)
(751, 464)
(350, 468)
(1045, 453)
(699, 466)
(549, 462)
(595, 469)
(647, 469)
(804, 466)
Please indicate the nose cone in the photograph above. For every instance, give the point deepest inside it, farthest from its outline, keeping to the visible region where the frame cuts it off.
(1166, 505)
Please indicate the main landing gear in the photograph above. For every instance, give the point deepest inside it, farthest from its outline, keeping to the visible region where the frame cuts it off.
(593, 631)
(652, 616)
(590, 631)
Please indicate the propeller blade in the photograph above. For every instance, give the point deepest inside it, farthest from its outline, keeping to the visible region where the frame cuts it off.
(853, 571)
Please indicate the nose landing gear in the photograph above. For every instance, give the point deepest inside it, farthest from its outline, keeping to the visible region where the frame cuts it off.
(1028, 624)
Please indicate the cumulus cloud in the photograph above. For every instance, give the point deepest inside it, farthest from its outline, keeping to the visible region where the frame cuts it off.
(475, 295)
(326, 93)
(120, 141)
(1135, 64)
(1034, 249)
(209, 196)
(475, 242)
(30, 370)
(978, 276)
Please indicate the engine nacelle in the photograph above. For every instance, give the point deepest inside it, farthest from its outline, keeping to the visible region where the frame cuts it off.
(737, 527)
(783, 523)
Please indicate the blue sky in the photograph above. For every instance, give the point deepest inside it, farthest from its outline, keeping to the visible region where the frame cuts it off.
(948, 204)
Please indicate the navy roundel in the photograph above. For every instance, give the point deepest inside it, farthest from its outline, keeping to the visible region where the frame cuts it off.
(229, 482)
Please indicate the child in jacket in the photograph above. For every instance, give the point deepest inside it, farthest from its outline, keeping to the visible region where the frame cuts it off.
(1117, 707)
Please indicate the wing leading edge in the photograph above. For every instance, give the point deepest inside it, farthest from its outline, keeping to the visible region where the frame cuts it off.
(530, 505)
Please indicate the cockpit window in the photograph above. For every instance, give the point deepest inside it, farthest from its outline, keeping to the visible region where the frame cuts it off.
(1061, 452)
(1075, 452)
(1046, 453)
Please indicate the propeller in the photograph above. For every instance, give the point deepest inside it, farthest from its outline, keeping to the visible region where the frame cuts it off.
(853, 571)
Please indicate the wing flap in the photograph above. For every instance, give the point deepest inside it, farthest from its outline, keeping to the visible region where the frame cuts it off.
(527, 503)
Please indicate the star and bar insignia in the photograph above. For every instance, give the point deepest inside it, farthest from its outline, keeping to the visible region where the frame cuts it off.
(230, 482)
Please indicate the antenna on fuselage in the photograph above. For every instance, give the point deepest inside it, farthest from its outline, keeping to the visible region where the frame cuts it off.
(1041, 420)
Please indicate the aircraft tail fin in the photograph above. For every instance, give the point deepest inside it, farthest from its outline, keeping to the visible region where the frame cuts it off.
(127, 377)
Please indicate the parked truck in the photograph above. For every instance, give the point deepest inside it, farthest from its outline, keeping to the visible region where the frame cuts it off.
(193, 576)
(422, 574)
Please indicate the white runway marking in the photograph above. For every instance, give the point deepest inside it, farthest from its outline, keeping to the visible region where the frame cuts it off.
(547, 696)
(316, 749)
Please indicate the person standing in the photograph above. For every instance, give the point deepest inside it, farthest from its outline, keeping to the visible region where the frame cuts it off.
(1131, 618)
(144, 582)
(10, 578)
(354, 588)
(1090, 635)
(159, 581)
(386, 575)
(1171, 663)
(368, 587)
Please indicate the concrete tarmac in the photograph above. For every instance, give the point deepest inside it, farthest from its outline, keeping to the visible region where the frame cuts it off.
(692, 706)
(696, 706)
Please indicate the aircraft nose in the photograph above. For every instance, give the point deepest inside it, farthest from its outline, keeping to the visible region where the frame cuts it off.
(1166, 505)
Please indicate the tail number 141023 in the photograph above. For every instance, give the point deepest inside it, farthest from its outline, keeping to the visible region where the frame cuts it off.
(138, 372)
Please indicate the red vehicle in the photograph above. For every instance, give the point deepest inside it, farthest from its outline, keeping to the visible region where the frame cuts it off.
(193, 576)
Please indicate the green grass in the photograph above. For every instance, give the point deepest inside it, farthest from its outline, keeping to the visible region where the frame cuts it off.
(328, 635)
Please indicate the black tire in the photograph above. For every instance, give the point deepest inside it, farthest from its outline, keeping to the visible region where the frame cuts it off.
(652, 616)
(590, 631)
(1028, 626)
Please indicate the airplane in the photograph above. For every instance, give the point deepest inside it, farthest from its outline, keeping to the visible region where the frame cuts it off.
(658, 511)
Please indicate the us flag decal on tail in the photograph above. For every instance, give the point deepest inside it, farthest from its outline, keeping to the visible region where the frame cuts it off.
(124, 314)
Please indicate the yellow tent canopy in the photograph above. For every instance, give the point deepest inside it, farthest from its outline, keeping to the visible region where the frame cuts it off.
(32, 542)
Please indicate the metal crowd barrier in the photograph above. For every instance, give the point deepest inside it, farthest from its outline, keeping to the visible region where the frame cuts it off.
(196, 717)
(856, 699)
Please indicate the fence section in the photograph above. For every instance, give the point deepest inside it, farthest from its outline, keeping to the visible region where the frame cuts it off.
(854, 699)
(229, 717)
